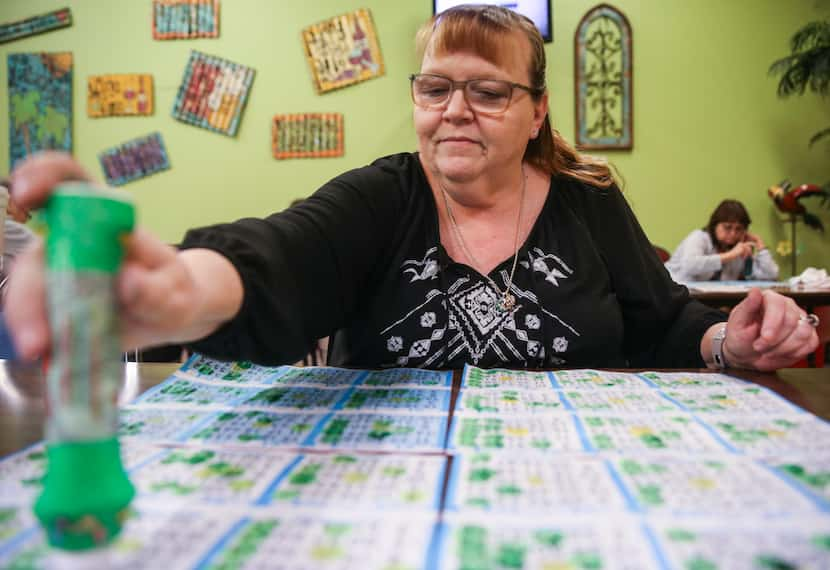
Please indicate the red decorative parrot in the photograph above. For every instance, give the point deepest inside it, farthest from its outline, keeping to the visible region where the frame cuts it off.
(788, 200)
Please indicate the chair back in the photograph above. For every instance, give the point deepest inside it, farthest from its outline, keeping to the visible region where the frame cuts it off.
(662, 253)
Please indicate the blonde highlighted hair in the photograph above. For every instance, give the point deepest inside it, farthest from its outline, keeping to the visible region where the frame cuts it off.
(484, 30)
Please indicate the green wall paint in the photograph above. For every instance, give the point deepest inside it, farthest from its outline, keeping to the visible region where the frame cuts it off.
(708, 124)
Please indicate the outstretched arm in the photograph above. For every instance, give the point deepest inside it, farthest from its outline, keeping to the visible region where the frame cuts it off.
(165, 296)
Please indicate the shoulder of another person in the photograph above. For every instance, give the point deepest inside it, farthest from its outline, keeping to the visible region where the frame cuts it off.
(701, 235)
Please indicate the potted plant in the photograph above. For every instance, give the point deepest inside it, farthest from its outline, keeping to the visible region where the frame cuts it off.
(807, 67)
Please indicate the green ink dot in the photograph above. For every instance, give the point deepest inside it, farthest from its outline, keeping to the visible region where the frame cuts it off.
(478, 502)
(681, 535)
(587, 561)
(511, 555)
(603, 441)
(548, 538)
(821, 541)
(345, 459)
(652, 441)
(698, 563)
(631, 467)
(249, 437)
(392, 471)
(483, 474)
(773, 563)
(307, 474)
(651, 495)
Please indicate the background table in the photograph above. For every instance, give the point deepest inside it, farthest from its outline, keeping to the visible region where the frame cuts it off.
(22, 389)
(806, 297)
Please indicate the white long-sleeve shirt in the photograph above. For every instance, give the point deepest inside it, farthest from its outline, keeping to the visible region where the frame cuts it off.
(16, 237)
(697, 259)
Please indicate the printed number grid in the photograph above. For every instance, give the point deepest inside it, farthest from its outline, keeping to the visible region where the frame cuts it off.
(244, 466)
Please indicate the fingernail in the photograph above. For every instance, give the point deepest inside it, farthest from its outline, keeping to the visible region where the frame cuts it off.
(759, 345)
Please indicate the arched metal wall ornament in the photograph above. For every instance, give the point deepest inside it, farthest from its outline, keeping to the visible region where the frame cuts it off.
(603, 83)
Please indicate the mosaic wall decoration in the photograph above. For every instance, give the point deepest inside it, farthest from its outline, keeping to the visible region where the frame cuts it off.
(343, 50)
(311, 135)
(113, 95)
(35, 25)
(180, 19)
(40, 103)
(134, 159)
(213, 93)
(604, 87)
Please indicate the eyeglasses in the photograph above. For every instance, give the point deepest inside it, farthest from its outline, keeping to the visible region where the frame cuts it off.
(491, 96)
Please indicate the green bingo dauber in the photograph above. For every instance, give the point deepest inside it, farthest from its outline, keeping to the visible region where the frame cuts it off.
(86, 492)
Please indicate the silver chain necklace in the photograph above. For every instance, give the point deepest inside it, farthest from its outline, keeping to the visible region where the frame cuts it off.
(507, 301)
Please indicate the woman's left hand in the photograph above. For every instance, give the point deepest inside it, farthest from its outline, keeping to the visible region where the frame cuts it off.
(756, 240)
(768, 331)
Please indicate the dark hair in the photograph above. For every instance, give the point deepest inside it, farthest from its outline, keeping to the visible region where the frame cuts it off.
(484, 30)
(727, 211)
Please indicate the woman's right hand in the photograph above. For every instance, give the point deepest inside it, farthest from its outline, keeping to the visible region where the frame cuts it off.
(164, 296)
(741, 250)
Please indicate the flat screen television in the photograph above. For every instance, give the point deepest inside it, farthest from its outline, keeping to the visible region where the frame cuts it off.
(537, 10)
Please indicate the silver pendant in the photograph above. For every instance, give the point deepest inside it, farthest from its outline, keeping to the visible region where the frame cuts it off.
(507, 302)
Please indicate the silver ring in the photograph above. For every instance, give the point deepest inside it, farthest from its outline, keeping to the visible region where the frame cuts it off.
(810, 319)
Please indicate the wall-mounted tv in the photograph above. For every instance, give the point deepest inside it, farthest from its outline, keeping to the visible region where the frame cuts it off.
(537, 10)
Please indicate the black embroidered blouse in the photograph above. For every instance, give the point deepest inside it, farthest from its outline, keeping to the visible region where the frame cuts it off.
(361, 260)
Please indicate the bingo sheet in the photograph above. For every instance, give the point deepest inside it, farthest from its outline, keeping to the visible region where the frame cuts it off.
(239, 466)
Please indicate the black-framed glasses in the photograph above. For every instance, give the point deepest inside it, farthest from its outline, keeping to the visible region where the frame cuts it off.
(484, 95)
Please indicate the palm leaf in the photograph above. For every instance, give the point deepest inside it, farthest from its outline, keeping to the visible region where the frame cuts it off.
(813, 34)
(808, 66)
(819, 135)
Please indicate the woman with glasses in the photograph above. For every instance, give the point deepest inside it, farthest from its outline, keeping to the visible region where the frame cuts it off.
(496, 244)
(724, 250)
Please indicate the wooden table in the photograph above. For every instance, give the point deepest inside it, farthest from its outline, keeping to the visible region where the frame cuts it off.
(22, 391)
(22, 411)
(806, 297)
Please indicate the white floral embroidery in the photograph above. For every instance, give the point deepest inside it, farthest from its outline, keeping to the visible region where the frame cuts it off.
(532, 322)
(554, 272)
(428, 267)
(428, 319)
(470, 328)
(394, 344)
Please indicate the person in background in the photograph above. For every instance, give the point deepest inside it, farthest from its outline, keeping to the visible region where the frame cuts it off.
(724, 250)
(14, 239)
(16, 236)
(496, 244)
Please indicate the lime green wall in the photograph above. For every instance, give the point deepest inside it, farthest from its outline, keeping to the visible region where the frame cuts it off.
(708, 124)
